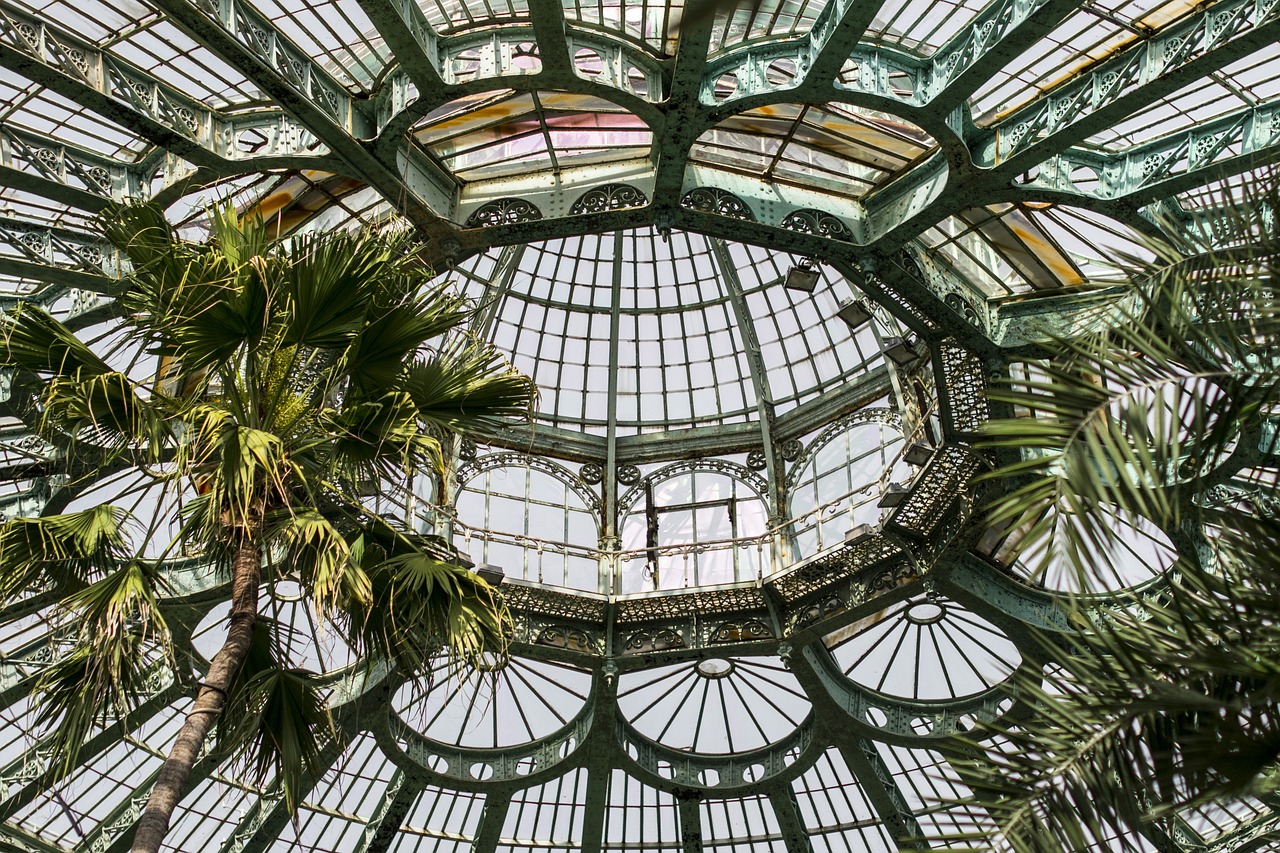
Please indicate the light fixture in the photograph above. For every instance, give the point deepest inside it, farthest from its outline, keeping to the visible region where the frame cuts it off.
(854, 314)
(918, 453)
(901, 351)
(490, 573)
(803, 276)
(858, 534)
(894, 495)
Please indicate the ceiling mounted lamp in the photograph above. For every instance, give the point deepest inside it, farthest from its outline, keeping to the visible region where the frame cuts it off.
(803, 276)
(893, 496)
(859, 533)
(901, 351)
(490, 573)
(918, 453)
(855, 314)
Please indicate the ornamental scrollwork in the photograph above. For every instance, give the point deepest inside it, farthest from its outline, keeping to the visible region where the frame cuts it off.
(722, 466)
(566, 637)
(717, 201)
(880, 415)
(608, 197)
(491, 461)
(503, 211)
(656, 640)
(740, 631)
(818, 222)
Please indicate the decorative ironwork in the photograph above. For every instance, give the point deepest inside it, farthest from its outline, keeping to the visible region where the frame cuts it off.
(628, 474)
(503, 211)
(608, 197)
(591, 473)
(741, 631)
(819, 222)
(757, 461)
(657, 640)
(566, 637)
(722, 466)
(717, 201)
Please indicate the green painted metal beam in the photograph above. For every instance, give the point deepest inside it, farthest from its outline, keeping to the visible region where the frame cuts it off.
(418, 188)
(492, 820)
(406, 31)
(795, 835)
(156, 111)
(996, 36)
(835, 34)
(66, 173)
(550, 33)
(690, 824)
(1135, 77)
(389, 815)
(684, 115)
(1176, 162)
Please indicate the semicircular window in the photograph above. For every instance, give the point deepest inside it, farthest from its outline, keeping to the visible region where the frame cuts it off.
(513, 703)
(529, 521)
(683, 527)
(924, 649)
(714, 706)
(841, 481)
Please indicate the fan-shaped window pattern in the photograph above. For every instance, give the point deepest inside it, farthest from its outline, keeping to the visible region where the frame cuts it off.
(719, 705)
(683, 529)
(1141, 551)
(830, 146)
(530, 522)
(334, 814)
(925, 648)
(497, 135)
(745, 824)
(547, 817)
(836, 811)
(518, 701)
(639, 817)
(840, 483)
(440, 821)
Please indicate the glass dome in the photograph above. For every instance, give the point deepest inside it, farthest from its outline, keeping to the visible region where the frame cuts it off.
(762, 261)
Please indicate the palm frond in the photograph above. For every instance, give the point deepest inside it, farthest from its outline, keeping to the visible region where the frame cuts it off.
(1167, 699)
(121, 637)
(34, 340)
(422, 604)
(276, 720)
(62, 552)
(468, 386)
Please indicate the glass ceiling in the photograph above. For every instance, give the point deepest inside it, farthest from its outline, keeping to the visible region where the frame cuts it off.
(761, 259)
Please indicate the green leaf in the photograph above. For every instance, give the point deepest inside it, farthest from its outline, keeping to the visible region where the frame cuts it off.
(62, 551)
(276, 720)
(469, 386)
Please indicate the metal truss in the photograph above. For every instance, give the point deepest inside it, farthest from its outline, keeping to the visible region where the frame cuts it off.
(1036, 154)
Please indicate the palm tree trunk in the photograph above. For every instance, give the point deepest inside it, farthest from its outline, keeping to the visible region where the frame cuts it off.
(154, 823)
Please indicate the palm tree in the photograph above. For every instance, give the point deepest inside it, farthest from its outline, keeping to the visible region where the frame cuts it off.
(1168, 699)
(263, 390)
